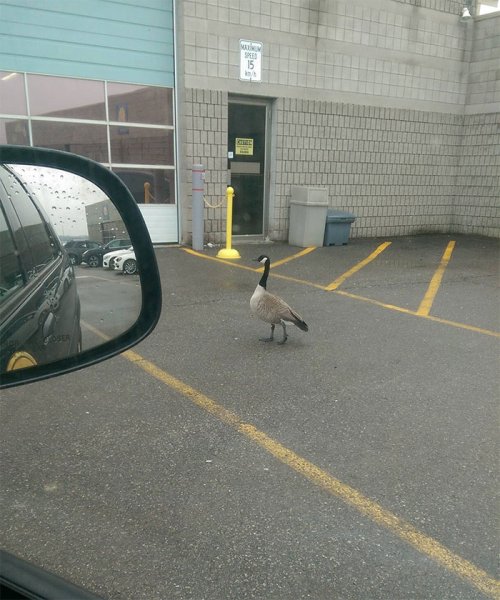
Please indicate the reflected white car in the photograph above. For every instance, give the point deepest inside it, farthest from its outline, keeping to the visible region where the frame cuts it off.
(109, 258)
(126, 263)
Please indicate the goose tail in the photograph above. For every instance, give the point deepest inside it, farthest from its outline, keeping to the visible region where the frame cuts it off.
(299, 321)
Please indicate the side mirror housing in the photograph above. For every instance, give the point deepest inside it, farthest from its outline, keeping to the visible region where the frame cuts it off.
(56, 316)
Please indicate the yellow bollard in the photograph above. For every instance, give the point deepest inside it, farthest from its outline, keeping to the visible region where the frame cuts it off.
(229, 252)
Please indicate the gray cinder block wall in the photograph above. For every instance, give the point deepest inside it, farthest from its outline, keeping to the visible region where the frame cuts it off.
(393, 105)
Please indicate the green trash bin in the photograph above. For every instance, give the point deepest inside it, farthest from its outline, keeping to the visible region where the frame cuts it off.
(337, 227)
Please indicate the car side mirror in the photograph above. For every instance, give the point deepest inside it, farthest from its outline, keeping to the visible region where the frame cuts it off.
(58, 314)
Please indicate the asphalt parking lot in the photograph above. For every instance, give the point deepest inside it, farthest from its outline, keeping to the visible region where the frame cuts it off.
(110, 303)
(357, 461)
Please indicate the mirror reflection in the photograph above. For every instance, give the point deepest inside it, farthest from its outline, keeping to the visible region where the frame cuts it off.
(68, 272)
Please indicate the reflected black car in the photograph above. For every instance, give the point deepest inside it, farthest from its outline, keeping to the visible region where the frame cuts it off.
(39, 303)
(93, 257)
(76, 248)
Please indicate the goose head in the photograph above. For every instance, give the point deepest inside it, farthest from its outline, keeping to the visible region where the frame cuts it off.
(263, 259)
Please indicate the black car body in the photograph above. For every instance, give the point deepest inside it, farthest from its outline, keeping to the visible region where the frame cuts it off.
(39, 303)
(76, 248)
(93, 257)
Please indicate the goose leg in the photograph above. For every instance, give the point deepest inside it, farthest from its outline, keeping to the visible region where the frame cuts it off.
(285, 337)
(269, 339)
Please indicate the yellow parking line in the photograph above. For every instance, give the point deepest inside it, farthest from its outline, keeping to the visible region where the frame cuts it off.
(357, 297)
(219, 260)
(282, 261)
(296, 280)
(413, 313)
(94, 330)
(340, 280)
(404, 530)
(425, 306)
(255, 269)
(239, 266)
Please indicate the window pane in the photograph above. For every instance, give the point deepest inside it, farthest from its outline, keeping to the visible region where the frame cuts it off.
(14, 131)
(11, 276)
(142, 146)
(12, 96)
(86, 140)
(140, 104)
(149, 186)
(43, 250)
(66, 97)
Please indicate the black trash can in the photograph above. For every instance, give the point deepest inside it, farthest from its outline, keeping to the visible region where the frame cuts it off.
(338, 227)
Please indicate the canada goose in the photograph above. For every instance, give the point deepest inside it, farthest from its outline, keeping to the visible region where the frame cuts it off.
(272, 309)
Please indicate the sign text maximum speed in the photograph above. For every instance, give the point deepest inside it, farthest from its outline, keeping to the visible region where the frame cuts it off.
(250, 60)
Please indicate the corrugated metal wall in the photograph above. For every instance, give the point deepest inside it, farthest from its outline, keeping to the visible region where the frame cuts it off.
(120, 40)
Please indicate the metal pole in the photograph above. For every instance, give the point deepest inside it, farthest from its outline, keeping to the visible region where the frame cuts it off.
(197, 207)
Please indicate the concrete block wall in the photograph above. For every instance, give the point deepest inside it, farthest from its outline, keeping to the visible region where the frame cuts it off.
(477, 202)
(376, 100)
(483, 90)
(395, 169)
(205, 142)
(385, 52)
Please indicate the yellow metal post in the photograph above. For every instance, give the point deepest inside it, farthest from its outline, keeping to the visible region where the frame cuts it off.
(229, 252)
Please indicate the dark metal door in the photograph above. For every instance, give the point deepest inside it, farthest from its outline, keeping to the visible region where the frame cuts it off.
(246, 164)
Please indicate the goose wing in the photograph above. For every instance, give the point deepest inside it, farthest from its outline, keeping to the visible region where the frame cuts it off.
(274, 310)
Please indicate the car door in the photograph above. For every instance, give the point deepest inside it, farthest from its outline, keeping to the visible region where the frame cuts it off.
(40, 312)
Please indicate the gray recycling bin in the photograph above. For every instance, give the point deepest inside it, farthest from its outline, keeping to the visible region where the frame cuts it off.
(308, 207)
(337, 227)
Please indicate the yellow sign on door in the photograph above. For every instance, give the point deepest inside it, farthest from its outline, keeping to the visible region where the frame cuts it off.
(244, 146)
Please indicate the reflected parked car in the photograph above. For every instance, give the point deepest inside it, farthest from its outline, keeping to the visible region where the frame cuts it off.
(93, 256)
(39, 303)
(76, 248)
(126, 263)
(108, 260)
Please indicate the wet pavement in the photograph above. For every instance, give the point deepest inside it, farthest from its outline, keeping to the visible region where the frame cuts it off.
(358, 460)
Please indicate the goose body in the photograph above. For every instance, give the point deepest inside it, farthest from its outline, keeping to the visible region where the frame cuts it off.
(271, 308)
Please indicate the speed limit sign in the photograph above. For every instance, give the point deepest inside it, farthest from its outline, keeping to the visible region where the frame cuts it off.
(250, 60)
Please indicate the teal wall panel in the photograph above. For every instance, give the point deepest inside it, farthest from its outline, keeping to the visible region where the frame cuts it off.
(119, 40)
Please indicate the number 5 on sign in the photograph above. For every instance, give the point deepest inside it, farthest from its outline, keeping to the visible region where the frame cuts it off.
(250, 60)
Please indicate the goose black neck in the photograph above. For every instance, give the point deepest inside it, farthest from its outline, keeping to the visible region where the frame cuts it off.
(263, 279)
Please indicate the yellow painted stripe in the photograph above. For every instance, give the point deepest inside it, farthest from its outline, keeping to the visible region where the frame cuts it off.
(405, 531)
(239, 266)
(255, 269)
(407, 311)
(425, 306)
(393, 307)
(219, 260)
(283, 261)
(95, 330)
(461, 325)
(340, 280)
(296, 280)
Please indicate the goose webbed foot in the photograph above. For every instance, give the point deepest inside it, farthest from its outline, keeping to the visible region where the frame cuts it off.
(285, 336)
(269, 339)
